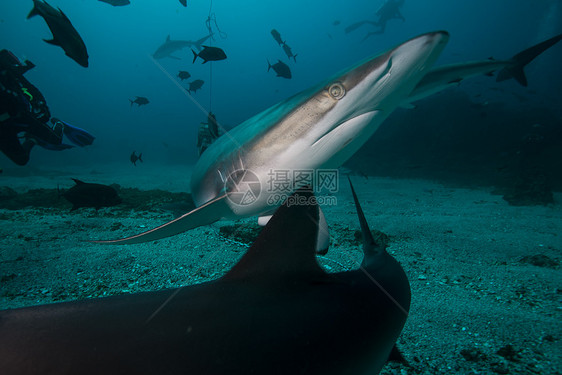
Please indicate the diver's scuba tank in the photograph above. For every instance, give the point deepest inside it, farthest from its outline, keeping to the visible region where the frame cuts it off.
(13, 82)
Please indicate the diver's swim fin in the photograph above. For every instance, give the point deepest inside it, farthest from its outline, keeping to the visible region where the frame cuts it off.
(53, 147)
(79, 137)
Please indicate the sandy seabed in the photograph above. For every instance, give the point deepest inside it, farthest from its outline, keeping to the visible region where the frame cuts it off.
(480, 304)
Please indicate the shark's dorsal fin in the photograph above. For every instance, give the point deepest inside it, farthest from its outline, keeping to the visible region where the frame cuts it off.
(168, 38)
(77, 181)
(370, 247)
(286, 247)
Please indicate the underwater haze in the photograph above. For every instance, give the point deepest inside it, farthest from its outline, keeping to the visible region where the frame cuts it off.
(121, 40)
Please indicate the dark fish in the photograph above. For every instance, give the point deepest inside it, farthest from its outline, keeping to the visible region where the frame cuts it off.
(195, 85)
(277, 36)
(281, 69)
(183, 75)
(91, 195)
(134, 157)
(116, 3)
(336, 23)
(289, 52)
(139, 100)
(275, 312)
(183, 2)
(209, 54)
(64, 34)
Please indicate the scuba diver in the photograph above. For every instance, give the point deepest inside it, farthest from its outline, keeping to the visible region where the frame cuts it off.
(208, 133)
(24, 115)
(388, 11)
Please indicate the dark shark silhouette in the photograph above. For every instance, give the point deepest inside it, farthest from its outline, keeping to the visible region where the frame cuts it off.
(275, 311)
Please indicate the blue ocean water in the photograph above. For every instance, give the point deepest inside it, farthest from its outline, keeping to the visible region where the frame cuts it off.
(121, 40)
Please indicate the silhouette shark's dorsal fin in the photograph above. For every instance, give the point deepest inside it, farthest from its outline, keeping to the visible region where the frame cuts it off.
(370, 247)
(78, 182)
(286, 247)
(168, 38)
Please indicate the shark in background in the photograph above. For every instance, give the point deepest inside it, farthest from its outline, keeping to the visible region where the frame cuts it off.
(170, 46)
(321, 127)
(443, 77)
(275, 312)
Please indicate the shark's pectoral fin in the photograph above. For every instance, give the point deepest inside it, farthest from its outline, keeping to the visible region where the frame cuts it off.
(203, 215)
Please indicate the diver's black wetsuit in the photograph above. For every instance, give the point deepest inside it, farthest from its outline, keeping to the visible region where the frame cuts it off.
(22, 110)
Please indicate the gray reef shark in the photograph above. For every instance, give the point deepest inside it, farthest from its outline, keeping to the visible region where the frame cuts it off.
(442, 77)
(319, 128)
(275, 312)
(170, 46)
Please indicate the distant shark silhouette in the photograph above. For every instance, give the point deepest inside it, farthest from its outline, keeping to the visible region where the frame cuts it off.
(441, 77)
(275, 312)
(170, 46)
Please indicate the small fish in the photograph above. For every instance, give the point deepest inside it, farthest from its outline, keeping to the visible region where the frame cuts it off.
(85, 194)
(134, 157)
(277, 36)
(336, 23)
(281, 69)
(116, 3)
(139, 100)
(64, 34)
(209, 54)
(289, 52)
(195, 85)
(183, 75)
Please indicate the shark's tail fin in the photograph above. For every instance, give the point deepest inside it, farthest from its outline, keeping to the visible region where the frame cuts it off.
(295, 57)
(132, 102)
(194, 55)
(523, 58)
(268, 65)
(198, 43)
(34, 12)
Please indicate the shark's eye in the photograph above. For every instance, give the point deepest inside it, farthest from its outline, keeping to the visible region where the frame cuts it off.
(336, 91)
